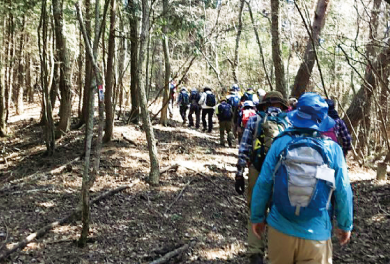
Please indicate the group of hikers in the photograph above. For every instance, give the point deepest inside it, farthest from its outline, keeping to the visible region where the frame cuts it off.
(295, 152)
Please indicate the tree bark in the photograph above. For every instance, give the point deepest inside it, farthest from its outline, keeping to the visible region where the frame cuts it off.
(303, 76)
(276, 52)
(65, 83)
(167, 64)
(154, 174)
(134, 89)
(20, 87)
(238, 37)
(109, 77)
(45, 82)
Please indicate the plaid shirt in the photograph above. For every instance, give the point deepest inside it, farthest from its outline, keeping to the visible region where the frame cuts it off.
(245, 149)
(343, 135)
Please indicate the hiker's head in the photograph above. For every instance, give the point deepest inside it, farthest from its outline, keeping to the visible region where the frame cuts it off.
(261, 93)
(249, 90)
(183, 89)
(292, 102)
(275, 99)
(207, 89)
(331, 110)
(223, 99)
(235, 88)
(312, 113)
(248, 104)
(194, 89)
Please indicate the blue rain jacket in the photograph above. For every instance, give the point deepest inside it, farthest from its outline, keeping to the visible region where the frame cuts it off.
(318, 228)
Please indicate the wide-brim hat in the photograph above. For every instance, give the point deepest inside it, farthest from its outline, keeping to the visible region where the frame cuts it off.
(312, 113)
(274, 97)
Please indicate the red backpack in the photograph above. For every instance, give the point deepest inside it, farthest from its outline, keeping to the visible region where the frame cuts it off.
(246, 114)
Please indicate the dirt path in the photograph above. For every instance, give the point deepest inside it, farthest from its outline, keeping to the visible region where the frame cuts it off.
(196, 204)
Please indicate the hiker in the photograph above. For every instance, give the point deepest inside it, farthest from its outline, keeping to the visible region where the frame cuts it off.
(292, 102)
(224, 113)
(303, 169)
(339, 133)
(172, 94)
(183, 101)
(245, 112)
(250, 95)
(194, 108)
(233, 98)
(208, 102)
(260, 94)
(255, 142)
(236, 88)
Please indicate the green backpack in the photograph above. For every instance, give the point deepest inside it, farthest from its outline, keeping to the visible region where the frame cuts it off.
(267, 128)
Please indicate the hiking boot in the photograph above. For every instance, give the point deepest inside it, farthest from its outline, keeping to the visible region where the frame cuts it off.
(204, 129)
(222, 145)
(256, 259)
(209, 131)
(230, 144)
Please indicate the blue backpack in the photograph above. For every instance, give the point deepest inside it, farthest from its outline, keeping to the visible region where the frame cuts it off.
(225, 112)
(184, 98)
(194, 97)
(248, 96)
(234, 101)
(303, 180)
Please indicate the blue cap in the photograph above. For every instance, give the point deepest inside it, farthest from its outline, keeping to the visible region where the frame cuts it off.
(311, 112)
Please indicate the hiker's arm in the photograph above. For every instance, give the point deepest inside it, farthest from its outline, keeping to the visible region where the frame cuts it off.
(345, 137)
(245, 148)
(343, 192)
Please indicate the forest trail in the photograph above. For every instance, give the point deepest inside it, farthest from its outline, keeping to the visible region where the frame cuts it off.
(194, 205)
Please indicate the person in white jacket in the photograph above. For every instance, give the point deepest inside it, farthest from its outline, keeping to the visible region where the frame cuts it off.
(207, 101)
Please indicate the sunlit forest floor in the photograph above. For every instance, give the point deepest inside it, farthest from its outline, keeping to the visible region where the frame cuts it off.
(194, 205)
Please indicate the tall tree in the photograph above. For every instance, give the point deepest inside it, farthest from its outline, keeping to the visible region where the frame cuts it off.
(134, 89)
(65, 84)
(280, 80)
(110, 76)
(238, 37)
(46, 80)
(167, 64)
(303, 76)
(154, 174)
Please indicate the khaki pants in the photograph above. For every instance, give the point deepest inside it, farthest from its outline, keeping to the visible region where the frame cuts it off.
(285, 249)
(255, 245)
(225, 126)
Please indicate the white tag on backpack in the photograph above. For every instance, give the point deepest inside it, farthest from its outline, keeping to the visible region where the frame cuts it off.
(327, 174)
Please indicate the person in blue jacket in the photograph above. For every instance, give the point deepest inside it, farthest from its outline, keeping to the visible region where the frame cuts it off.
(293, 240)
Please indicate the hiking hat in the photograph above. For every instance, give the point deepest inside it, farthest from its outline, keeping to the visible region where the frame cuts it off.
(261, 93)
(183, 89)
(235, 87)
(312, 112)
(249, 103)
(274, 97)
(207, 89)
(223, 99)
(331, 110)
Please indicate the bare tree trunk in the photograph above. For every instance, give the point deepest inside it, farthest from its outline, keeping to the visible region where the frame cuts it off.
(65, 83)
(154, 174)
(276, 52)
(134, 89)
(88, 180)
(121, 65)
(260, 46)
(10, 72)
(109, 77)
(238, 37)
(303, 76)
(30, 90)
(167, 64)
(19, 88)
(50, 139)
(88, 67)
(80, 75)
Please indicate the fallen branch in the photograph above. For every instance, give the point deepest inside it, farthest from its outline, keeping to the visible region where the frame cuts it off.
(173, 167)
(40, 173)
(171, 254)
(178, 196)
(75, 214)
(129, 140)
